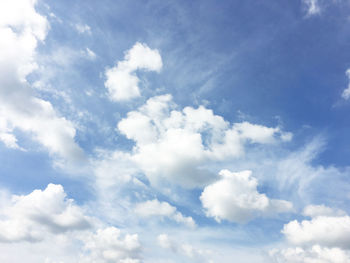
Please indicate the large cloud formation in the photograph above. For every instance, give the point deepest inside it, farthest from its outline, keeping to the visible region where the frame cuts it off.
(179, 146)
(235, 198)
(51, 220)
(21, 30)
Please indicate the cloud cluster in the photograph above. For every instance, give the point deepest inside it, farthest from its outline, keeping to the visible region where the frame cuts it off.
(331, 231)
(32, 217)
(21, 30)
(234, 197)
(49, 216)
(324, 238)
(162, 209)
(179, 146)
(315, 254)
(109, 245)
(121, 81)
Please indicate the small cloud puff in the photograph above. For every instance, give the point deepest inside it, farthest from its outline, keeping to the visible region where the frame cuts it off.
(121, 82)
(346, 92)
(162, 209)
(83, 29)
(88, 53)
(234, 197)
(312, 7)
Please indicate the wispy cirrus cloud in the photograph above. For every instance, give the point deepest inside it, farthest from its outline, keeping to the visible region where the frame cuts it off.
(346, 92)
(312, 7)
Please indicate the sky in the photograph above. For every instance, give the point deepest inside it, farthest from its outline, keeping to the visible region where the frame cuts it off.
(175, 131)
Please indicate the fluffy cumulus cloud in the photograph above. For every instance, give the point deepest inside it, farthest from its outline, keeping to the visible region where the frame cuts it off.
(154, 208)
(322, 239)
(21, 30)
(31, 217)
(175, 148)
(59, 230)
(332, 231)
(346, 92)
(234, 197)
(179, 145)
(315, 254)
(109, 245)
(121, 80)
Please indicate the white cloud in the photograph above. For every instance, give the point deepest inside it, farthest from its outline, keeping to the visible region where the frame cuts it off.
(67, 233)
(9, 140)
(346, 93)
(321, 210)
(6, 135)
(88, 53)
(316, 254)
(164, 241)
(108, 245)
(46, 226)
(83, 29)
(260, 134)
(185, 249)
(297, 176)
(323, 239)
(21, 29)
(22, 16)
(32, 217)
(180, 146)
(162, 209)
(330, 231)
(113, 168)
(235, 198)
(121, 82)
(312, 7)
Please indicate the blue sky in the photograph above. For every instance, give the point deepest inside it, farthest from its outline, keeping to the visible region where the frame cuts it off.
(174, 131)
